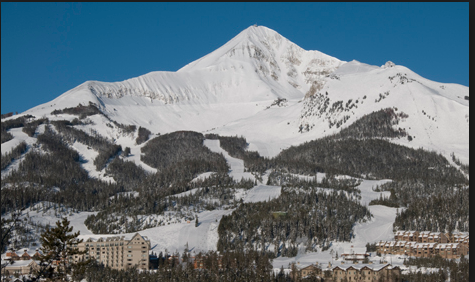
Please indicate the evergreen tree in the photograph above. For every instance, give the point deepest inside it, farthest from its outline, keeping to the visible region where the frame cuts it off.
(58, 247)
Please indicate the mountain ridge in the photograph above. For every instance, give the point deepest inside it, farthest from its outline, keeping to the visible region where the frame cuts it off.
(262, 86)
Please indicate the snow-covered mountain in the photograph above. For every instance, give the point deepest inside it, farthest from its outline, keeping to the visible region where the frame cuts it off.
(274, 93)
(263, 87)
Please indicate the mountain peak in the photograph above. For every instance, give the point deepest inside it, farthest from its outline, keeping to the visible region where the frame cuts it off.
(250, 38)
(271, 56)
(259, 32)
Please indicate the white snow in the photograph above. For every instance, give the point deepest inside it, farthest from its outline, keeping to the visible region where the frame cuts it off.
(18, 137)
(262, 193)
(236, 165)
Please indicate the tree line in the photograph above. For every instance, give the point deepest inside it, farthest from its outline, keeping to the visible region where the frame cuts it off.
(453, 270)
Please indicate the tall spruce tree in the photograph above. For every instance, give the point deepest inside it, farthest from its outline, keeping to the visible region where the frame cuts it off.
(58, 247)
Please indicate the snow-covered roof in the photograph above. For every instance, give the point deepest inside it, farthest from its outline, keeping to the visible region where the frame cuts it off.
(109, 238)
(374, 267)
(19, 263)
(355, 257)
(303, 265)
(351, 251)
(424, 233)
(461, 235)
(447, 246)
(425, 245)
(402, 232)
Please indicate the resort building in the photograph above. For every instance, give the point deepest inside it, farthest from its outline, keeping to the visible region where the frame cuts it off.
(348, 272)
(116, 252)
(426, 244)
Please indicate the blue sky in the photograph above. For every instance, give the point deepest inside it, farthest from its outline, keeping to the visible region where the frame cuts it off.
(49, 48)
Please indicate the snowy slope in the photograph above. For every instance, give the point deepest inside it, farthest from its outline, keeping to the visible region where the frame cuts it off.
(18, 137)
(437, 113)
(236, 165)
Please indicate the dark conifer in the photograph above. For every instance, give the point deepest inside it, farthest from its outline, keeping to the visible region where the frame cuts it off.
(58, 248)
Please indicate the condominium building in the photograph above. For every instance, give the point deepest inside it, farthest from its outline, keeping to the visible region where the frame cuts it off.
(426, 244)
(384, 272)
(348, 272)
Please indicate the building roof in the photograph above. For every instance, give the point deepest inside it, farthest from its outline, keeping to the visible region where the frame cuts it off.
(110, 238)
(425, 245)
(374, 267)
(405, 232)
(354, 251)
(20, 263)
(447, 246)
(304, 266)
(355, 257)
(411, 244)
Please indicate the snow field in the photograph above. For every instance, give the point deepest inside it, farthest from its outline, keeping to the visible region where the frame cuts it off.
(262, 193)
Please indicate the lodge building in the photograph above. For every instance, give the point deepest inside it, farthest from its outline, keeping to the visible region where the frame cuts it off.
(116, 252)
